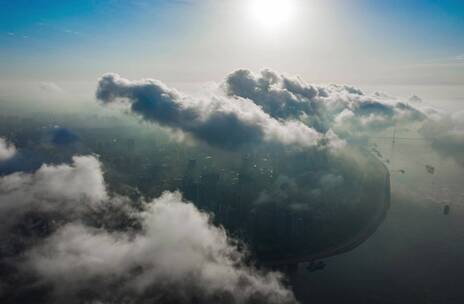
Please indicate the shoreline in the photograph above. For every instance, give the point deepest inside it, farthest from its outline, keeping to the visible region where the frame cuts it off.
(349, 245)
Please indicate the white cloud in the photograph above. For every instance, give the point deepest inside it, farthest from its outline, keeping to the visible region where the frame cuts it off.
(264, 107)
(178, 250)
(345, 110)
(50, 87)
(220, 121)
(7, 150)
(176, 253)
(446, 133)
(63, 188)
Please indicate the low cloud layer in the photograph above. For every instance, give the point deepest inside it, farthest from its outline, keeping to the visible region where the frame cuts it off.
(179, 251)
(64, 189)
(7, 150)
(219, 121)
(344, 109)
(50, 87)
(446, 133)
(82, 248)
(265, 107)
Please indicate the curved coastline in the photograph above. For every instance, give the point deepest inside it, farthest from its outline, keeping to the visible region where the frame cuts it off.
(350, 244)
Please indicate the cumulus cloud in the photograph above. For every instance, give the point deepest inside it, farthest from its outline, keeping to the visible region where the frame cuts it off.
(174, 253)
(220, 121)
(7, 150)
(63, 188)
(342, 109)
(279, 96)
(178, 250)
(265, 108)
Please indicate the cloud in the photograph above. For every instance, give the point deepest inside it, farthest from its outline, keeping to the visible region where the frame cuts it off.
(219, 121)
(7, 150)
(265, 108)
(330, 181)
(343, 109)
(50, 87)
(280, 97)
(414, 99)
(97, 246)
(64, 188)
(178, 250)
(446, 134)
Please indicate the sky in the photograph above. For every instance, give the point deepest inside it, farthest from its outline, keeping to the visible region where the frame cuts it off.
(353, 41)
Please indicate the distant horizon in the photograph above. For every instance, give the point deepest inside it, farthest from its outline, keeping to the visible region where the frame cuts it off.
(355, 41)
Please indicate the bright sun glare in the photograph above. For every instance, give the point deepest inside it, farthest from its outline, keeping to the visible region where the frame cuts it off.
(272, 13)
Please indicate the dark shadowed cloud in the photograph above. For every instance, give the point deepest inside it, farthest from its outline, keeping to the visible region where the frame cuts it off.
(219, 121)
(346, 110)
(263, 108)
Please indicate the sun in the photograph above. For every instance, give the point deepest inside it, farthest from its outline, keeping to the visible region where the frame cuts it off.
(272, 14)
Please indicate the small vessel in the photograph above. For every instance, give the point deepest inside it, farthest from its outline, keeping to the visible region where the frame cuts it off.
(446, 209)
(430, 169)
(315, 266)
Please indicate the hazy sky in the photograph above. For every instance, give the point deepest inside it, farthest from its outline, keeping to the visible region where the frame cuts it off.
(356, 41)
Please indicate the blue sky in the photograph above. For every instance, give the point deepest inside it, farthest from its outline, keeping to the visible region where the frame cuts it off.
(391, 41)
(435, 25)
